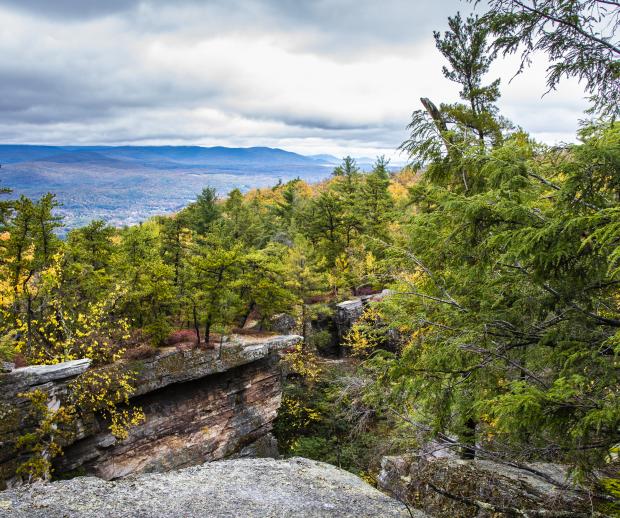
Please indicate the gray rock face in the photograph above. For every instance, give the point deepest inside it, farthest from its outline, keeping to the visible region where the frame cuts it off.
(235, 488)
(172, 365)
(39, 374)
(449, 486)
(283, 324)
(349, 311)
(186, 424)
(200, 405)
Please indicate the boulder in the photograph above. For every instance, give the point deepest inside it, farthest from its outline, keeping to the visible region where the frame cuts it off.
(349, 311)
(249, 488)
(444, 485)
(283, 324)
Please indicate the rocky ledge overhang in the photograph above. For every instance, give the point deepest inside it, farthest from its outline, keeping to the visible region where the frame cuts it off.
(176, 365)
(349, 311)
(170, 365)
(233, 392)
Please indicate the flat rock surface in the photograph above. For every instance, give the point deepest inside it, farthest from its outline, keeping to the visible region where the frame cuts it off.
(39, 374)
(233, 488)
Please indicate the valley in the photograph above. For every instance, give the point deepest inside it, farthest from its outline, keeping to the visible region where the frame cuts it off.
(125, 185)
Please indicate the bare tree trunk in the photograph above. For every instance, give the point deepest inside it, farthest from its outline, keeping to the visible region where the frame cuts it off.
(196, 327)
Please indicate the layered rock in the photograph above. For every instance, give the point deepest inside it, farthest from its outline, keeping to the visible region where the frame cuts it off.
(14, 410)
(200, 405)
(234, 488)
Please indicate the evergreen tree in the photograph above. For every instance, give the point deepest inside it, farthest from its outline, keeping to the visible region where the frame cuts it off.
(447, 132)
(324, 224)
(46, 241)
(87, 262)
(150, 294)
(346, 186)
(375, 201)
(5, 207)
(580, 38)
(92, 245)
(204, 211)
(175, 239)
(507, 292)
(466, 49)
(215, 264)
(238, 220)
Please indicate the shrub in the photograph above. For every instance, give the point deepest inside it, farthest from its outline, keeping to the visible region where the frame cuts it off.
(141, 352)
(180, 336)
(20, 361)
(316, 299)
(44, 442)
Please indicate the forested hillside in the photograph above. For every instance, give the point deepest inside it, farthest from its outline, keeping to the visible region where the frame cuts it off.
(501, 333)
(206, 268)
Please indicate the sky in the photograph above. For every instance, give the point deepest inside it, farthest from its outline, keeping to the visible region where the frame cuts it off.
(320, 76)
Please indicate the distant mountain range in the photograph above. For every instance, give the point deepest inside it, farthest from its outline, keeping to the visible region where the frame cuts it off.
(165, 157)
(127, 184)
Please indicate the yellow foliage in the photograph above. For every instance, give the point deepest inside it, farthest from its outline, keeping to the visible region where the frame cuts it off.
(102, 391)
(300, 415)
(44, 443)
(303, 362)
(362, 338)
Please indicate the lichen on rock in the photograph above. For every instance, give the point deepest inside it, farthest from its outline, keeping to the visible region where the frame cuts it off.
(249, 488)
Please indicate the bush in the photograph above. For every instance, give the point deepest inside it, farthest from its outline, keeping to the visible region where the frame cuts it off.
(7, 352)
(180, 336)
(158, 331)
(141, 352)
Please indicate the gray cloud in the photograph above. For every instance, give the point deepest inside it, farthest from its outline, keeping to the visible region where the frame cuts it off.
(308, 75)
(72, 9)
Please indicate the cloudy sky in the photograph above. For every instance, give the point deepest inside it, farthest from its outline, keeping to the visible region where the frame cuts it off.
(312, 76)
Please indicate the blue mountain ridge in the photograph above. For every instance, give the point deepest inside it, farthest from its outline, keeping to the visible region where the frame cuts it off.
(193, 155)
(126, 184)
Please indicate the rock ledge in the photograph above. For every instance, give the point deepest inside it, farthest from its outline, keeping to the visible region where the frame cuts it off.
(232, 488)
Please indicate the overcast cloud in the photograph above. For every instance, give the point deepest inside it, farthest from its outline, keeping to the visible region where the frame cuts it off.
(337, 76)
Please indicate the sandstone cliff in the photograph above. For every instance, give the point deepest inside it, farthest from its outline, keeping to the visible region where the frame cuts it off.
(200, 405)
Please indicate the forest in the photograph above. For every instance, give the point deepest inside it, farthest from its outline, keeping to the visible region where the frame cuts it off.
(501, 332)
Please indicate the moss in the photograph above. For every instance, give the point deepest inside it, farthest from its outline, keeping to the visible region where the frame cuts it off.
(69, 474)
(612, 487)
(10, 418)
(137, 366)
(173, 363)
(7, 471)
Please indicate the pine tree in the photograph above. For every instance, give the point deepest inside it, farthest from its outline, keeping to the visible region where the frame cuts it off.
(447, 132)
(204, 211)
(215, 263)
(507, 292)
(375, 202)
(579, 37)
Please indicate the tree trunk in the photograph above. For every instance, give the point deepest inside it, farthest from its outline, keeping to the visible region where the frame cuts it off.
(469, 439)
(207, 330)
(196, 326)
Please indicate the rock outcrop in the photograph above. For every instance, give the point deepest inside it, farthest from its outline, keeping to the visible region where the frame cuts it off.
(349, 311)
(200, 405)
(233, 488)
(449, 486)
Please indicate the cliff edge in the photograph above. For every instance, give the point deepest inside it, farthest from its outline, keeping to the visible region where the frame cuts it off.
(231, 488)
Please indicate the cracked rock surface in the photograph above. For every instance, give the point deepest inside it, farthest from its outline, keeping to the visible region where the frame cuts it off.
(232, 488)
